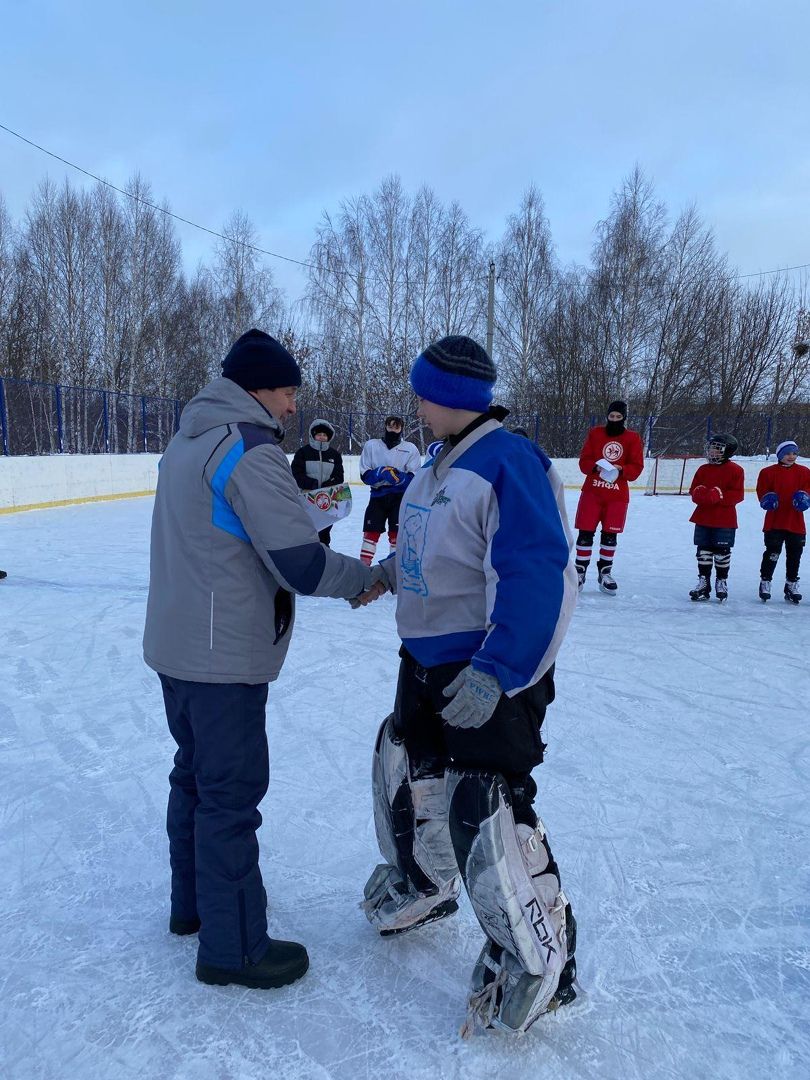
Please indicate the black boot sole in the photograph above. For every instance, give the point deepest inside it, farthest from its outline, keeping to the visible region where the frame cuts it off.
(214, 976)
(183, 927)
(449, 907)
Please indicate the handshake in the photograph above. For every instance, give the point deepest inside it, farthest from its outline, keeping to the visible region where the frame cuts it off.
(383, 580)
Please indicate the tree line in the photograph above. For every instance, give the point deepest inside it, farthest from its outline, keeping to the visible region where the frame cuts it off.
(93, 292)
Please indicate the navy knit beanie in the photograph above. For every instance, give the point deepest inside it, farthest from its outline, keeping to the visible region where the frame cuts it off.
(455, 372)
(259, 362)
(617, 406)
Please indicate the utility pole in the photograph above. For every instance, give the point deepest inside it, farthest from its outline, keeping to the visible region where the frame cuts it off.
(491, 309)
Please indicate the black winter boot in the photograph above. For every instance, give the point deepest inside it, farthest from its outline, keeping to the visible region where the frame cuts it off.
(283, 963)
(182, 927)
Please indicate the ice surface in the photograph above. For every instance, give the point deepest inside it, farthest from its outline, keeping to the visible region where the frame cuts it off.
(675, 793)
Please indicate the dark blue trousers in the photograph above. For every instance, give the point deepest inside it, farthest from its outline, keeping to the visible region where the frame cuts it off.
(220, 776)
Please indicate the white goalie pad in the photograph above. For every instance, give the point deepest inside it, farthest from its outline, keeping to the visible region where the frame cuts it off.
(419, 881)
(512, 883)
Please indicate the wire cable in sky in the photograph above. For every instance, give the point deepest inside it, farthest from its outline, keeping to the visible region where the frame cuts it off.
(254, 247)
(154, 206)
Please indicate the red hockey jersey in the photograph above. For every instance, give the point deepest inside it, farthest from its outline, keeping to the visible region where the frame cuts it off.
(625, 451)
(717, 489)
(784, 481)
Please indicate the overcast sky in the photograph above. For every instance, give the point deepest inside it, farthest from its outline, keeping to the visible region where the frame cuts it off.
(284, 109)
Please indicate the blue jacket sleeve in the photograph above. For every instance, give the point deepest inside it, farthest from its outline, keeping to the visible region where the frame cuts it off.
(527, 568)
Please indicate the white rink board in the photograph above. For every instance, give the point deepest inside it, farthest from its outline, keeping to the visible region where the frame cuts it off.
(59, 478)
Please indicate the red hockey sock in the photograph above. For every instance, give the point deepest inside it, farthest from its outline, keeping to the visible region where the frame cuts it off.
(368, 547)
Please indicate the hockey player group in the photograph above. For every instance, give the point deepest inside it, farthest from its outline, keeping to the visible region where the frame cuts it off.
(613, 456)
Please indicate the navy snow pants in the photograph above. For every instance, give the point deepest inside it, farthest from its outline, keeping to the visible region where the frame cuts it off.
(220, 776)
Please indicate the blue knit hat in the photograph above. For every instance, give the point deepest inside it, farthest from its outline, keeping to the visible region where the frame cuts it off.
(456, 372)
(257, 361)
(788, 447)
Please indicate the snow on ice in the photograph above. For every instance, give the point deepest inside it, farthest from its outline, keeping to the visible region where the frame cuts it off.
(674, 790)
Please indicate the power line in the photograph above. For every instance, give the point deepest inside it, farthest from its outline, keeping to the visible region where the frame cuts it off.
(154, 206)
(255, 247)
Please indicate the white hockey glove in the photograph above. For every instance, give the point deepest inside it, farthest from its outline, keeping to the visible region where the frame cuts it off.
(475, 695)
(608, 472)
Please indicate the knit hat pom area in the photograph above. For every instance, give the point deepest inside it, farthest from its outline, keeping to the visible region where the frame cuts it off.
(787, 447)
(455, 372)
(257, 361)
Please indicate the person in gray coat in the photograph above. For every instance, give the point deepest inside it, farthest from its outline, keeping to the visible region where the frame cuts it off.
(231, 545)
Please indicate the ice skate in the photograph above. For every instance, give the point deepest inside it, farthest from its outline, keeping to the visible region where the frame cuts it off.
(580, 578)
(792, 594)
(721, 589)
(504, 995)
(703, 589)
(393, 906)
(607, 584)
(764, 590)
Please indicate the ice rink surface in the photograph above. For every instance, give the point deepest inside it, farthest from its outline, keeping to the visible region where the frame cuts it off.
(675, 792)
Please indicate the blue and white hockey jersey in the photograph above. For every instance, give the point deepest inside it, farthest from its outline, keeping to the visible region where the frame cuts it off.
(483, 562)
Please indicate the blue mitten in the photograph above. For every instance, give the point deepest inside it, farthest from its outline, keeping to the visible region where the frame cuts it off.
(769, 501)
(801, 501)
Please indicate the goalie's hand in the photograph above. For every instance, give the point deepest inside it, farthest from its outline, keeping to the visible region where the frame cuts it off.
(475, 696)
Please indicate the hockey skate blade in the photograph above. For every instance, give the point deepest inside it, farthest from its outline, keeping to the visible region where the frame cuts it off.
(442, 911)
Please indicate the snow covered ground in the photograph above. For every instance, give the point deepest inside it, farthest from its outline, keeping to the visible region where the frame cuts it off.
(675, 792)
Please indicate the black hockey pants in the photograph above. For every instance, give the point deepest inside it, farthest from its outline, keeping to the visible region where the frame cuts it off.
(508, 743)
(793, 543)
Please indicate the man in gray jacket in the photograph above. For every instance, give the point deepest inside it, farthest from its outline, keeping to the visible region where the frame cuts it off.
(231, 544)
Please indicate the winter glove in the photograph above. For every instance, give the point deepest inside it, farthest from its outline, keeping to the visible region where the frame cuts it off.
(769, 501)
(608, 472)
(714, 495)
(386, 476)
(801, 501)
(475, 695)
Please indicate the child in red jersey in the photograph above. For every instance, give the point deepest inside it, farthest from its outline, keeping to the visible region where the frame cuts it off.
(716, 489)
(783, 491)
(610, 458)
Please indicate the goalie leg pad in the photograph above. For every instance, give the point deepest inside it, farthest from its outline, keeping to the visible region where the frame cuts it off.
(419, 878)
(514, 887)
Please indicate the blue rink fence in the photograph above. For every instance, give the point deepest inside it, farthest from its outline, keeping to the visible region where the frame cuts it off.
(48, 418)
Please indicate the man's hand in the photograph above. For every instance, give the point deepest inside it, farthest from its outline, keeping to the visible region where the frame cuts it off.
(475, 695)
(380, 584)
(369, 596)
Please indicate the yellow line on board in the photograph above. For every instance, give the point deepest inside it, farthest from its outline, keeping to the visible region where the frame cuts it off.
(73, 502)
(142, 494)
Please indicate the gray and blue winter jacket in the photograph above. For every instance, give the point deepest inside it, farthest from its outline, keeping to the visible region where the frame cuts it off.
(230, 543)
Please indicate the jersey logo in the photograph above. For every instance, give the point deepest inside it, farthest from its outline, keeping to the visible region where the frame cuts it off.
(612, 451)
(412, 535)
(440, 499)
